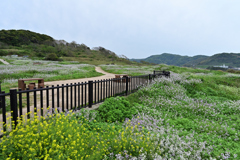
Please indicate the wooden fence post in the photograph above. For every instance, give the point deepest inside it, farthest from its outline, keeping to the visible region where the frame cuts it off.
(13, 103)
(127, 85)
(90, 93)
(0, 101)
(3, 106)
(149, 78)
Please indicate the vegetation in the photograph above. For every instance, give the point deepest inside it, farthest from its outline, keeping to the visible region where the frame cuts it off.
(75, 136)
(31, 44)
(49, 70)
(115, 109)
(229, 59)
(194, 114)
(22, 37)
(199, 61)
(130, 70)
(52, 57)
(171, 59)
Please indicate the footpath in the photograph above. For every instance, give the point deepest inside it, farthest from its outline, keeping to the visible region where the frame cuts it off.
(4, 61)
(98, 69)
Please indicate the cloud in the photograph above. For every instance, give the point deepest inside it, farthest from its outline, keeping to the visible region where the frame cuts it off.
(134, 28)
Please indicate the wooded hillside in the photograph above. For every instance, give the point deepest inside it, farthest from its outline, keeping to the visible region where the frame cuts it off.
(24, 42)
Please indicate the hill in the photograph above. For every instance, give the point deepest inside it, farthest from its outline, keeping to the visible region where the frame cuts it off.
(41, 46)
(171, 59)
(229, 59)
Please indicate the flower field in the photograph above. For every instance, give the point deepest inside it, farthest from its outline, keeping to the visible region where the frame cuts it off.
(195, 114)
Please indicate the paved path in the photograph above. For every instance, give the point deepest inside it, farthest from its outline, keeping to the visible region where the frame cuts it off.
(5, 62)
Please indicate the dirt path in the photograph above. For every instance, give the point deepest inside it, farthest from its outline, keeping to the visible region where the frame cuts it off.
(98, 69)
(4, 61)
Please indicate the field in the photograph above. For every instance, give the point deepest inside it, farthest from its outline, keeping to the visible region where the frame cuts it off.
(49, 70)
(194, 114)
(129, 69)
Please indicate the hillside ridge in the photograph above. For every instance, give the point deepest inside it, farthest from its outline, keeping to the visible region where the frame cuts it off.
(44, 47)
(229, 59)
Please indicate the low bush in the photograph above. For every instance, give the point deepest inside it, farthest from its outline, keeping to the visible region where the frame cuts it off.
(52, 57)
(115, 109)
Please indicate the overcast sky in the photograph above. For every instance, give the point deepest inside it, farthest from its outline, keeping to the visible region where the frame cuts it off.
(134, 28)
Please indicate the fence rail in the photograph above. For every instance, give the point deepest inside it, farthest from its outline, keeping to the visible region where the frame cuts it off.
(67, 97)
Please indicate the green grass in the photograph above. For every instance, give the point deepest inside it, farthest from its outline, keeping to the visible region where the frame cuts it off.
(202, 66)
(131, 70)
(177, 69)
(99, 60)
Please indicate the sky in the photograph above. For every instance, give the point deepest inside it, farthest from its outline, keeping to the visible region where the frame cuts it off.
(134, 28)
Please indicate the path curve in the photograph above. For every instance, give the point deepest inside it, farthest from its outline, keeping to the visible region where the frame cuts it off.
(98, 69)
(5, 62)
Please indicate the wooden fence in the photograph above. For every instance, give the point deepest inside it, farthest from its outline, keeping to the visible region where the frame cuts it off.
(67, 97)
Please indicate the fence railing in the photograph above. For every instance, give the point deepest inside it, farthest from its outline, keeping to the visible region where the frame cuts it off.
(66, 97)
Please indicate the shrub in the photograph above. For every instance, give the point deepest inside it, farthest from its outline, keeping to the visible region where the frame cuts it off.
(52, 56)
(115, 109)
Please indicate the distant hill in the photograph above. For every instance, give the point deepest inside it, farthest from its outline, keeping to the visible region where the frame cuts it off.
(41, 46)
(171, 59)
(229, 59)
